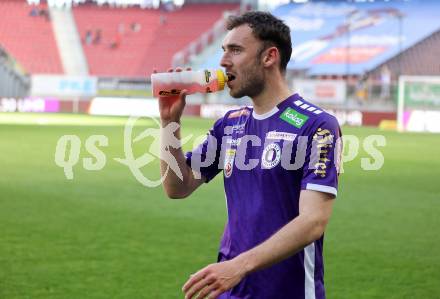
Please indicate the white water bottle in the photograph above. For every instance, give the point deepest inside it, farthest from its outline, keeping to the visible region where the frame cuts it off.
(172, 83)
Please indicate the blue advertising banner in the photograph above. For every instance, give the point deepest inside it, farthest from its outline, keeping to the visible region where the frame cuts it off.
(323, 43)
(340, 37)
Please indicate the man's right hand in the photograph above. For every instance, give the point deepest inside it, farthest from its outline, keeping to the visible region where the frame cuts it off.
(171, 107)
(171, 110)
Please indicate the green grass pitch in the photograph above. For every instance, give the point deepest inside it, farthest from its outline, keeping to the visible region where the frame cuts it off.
(104, 235)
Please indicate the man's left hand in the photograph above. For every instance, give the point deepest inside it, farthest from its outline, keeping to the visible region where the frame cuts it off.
(213, 280)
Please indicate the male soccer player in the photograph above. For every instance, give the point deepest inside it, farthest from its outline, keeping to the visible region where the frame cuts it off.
(279, 162)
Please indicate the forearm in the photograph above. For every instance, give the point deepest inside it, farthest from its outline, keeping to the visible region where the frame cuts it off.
(175, 186)
(178, 179)
(289, 240)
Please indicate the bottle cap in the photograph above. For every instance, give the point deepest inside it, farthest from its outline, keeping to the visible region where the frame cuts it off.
(221, 78)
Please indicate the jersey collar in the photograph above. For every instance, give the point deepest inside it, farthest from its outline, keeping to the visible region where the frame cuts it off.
(265, 115)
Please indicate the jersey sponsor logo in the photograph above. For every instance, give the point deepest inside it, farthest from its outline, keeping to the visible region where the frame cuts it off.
(229, 162)
(239, 113)
(323, 140)
(281, 136)
(238, 128)
(234, 142)
(271, 156)
(294, 118)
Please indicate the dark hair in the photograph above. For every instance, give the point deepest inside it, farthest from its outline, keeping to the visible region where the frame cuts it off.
(269, 29)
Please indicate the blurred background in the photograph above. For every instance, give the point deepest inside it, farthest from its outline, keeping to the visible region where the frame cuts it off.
(82, 67)
(349, 56)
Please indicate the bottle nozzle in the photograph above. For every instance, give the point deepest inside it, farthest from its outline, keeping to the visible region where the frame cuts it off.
(222, 79)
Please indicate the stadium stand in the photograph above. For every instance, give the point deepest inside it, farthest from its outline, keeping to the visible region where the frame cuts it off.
(134, 41)
(420, 59)
(26, 33)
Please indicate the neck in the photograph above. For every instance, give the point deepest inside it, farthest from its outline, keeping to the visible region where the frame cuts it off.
(275, 92)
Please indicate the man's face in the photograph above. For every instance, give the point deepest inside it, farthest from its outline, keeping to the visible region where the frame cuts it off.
(242, 62)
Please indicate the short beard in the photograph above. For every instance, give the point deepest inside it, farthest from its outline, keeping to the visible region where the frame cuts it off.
(253, 83)
(253, 78)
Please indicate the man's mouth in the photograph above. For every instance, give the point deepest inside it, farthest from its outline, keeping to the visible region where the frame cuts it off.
(231, 76)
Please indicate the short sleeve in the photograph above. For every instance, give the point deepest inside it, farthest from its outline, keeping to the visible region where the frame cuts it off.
(204, 159)
(321, 168)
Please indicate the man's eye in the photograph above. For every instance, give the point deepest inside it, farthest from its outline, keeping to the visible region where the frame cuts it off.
(236, 51)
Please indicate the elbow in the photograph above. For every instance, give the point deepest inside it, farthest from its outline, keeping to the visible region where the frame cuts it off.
(317, 228)
(175, 194)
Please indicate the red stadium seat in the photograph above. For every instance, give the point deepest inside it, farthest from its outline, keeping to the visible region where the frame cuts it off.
(162, 34)
(30, 40)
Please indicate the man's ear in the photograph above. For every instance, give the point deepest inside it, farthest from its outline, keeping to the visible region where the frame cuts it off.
(271, 56)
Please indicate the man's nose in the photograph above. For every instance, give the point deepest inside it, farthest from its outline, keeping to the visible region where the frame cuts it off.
(225, 61)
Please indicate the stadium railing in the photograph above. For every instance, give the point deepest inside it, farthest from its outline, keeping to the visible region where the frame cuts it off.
(183, 57)
(13, 81)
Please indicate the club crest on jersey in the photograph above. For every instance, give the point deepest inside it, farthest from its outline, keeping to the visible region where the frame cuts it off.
(229, 162)
(271, 156)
